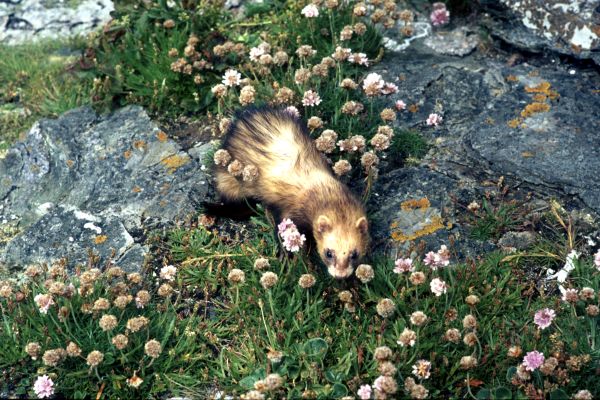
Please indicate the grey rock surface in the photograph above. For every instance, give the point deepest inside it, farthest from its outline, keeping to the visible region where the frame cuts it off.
(563, 26)
(28, 20)
(87, 183)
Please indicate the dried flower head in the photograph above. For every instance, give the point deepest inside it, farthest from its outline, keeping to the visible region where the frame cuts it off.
(587, 293)
(342, 167)
(306, 281)
(570, 296)
(472, 300)
(386, 368)
(583, 395)
(592, 310)
(236, 168)
(280, 58)
(348, 83)
(249, 173)
(418, 318)
(142, 298)
(305, 51)
(385, 385)
(153, 348)
(137, 323)
(468, 362)
(346, 33)
(352, 107)
(359, 58)
(311, 99)
(165, 290)
(261, 263)
(365, 273)
(284, 95)
(44, 302)
(452, 335)
(345, 296)
(108, 322)
(101, 304)
(360, 28)
(273, 381)
(515, 351)
(407, 338)
(247, 95)
(341, 54)
(268, 279)
(470, 322)
(382, 353)
(326, 142)
(422, 369)
(6, 290)
(388, 114)
(360, 9)
(94, 358)
(219, 90)
(417, 278)
(380, 141)
(120, 341)
(168, 273)
(33, 350)
(73, 350)
(169, 24)
(52, 357)
(386, 308)
(470, 339)
(236, 276)
(321, 70)
(314, 123)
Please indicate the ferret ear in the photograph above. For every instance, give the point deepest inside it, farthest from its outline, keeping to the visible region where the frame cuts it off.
(323, 224)
(362, 225)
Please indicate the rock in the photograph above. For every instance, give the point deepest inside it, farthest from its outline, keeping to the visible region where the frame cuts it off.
(562, 26)
(517, 240)
(26, 20)
(416, 204)
(87, 183)
(458, 42)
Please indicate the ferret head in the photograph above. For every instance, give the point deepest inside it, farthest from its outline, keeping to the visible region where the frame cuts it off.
(341, 244)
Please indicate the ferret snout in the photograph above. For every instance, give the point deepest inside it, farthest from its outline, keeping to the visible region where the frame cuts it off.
(340, 271)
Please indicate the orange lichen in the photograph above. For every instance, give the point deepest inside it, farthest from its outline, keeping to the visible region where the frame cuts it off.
(99, 239)
(127, 154)
(539, 97)
(161, 136)
(172, 163)
(513, 123)
(543, 88)
(435, 225)
(136, 189)
(139, 144)
(415, 203)
(413, 108)
(70, 163)
(534, 108)
(512, 78)
(527, 154)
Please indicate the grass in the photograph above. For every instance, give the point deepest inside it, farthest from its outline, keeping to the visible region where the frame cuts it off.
(222, 335)
(37, 81)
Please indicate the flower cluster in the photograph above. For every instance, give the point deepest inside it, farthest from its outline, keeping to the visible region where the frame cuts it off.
(292, 238)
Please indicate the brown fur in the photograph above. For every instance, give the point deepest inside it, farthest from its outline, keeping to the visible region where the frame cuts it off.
(295, 180)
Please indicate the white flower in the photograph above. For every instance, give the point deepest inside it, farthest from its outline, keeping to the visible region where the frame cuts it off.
(232, 78)
(310, 11)
(168, 273)
(438, 286)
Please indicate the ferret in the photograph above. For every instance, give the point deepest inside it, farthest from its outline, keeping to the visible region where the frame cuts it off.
(292, 178)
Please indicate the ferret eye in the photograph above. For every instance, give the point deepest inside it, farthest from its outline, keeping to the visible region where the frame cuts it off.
(328, 254)
(354, 255)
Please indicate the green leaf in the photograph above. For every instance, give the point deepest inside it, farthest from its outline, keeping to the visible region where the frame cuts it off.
(502, 393)
(338, 390)
(334, 376)
(510, 373)
(484, 394)
(558, 394)
(316, 348)
(248, 382)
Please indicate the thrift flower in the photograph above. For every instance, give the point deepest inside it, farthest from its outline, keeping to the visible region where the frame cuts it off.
(533, 360)
(359, 58)
(386, 308)
(400, 105)
(407, 338)
(403, 265)
(434, 119)
(310, 11)
(293, 111)
(570, 295)
(43, 387)
(597, 260)
(543, 318)
(440, 15)
(365, 273)
(168, 273)
(421, 369)
(232, 78)
(438, 286)
(43, 301)
(268, 279)
(439, 259)
(311, 99)
(364, 392)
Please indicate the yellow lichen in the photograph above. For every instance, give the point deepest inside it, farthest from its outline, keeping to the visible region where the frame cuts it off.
(539, 97)
(172, 163)
(435, 225)
(415, 203)
(527, 154)
(139, 144)
(513, 123)
(543, 88)
(512, 78)
(70, 163)
(534, 108)
(127, 154)
(136, 189)
(413, 108)
(99, 239)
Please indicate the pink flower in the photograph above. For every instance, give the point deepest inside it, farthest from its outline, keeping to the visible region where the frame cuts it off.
(400, 105)
(293, 240)
(439, 259)
(285, 225)
(256, 52)
(570, 295)
(373, 80)
(440, 15)
(364, 392)
(421, 369)
(359, 58)
(403, 265)
(43, 387)
(310, 11)
(377, 383)
(292, 110)
(311, 99)
(43, 301)
(438, 286)
(597, 259)
(543, 318)
(389, 88)
(434, 119)
(533, 360)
